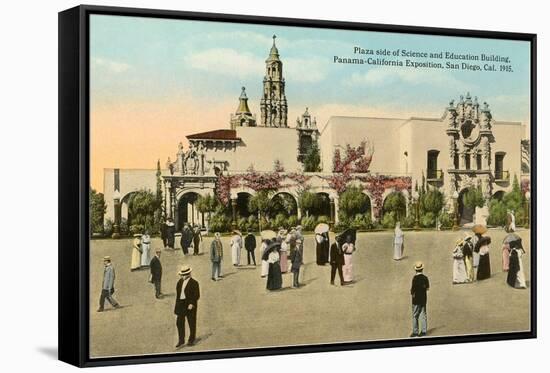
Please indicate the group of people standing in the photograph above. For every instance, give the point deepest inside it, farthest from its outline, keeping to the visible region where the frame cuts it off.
(141, 251)
(471, 259)
(191, 237)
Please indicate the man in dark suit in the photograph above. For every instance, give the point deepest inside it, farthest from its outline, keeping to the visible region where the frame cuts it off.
(250, 246)
(419, 288)
(336, 262)
(187, 296)
(156, 273)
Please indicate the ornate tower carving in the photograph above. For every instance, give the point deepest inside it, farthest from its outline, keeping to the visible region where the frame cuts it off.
(469, 128)
(273, 104)
(307, 134)
(243, 117)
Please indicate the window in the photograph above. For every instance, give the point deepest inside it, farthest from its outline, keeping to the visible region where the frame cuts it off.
(479, 164)
(432, 164)
(467, 160)
(499, 165)
(456, 161)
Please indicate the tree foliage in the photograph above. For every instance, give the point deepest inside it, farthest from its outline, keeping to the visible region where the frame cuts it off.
(432, 201)
(353, 201)
(142, 206)
(474, 198)
(312, 159)
(97, 211)
(395, 202)
(261, 203)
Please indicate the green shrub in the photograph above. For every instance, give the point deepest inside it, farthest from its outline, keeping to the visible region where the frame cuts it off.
(432, 201)
(408, 222)
(242, 224)
(280, 221)
(253, 223)
(136, 228)
(124, 227)
(427, 220)
(446, 220)
(497, 213)
(309, 223)
(395, 203)
(292, 221)
(389, 220)
(220, 223)
(474, 198)
(353, 201)
(108, 227)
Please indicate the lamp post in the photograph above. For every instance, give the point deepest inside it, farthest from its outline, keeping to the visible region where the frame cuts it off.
(455, 205)
(527, 208)
(415, 197)
(116, 225)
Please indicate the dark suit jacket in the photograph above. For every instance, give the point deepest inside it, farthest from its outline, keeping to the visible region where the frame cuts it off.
(336, 255)
(250, 242)
(156, 269)
(192, 295)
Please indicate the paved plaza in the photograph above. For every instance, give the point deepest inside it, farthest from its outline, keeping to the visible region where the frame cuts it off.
(238, 311)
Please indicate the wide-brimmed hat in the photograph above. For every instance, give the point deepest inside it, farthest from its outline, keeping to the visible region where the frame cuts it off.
(298, 227)
(185, 270)
(418, 266)
(479, 229)
(138, 235)
(107, 258)
(322, 228)
(268, 234)
(236, 231)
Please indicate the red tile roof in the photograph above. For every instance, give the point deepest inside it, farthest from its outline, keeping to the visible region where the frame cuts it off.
(230, 135)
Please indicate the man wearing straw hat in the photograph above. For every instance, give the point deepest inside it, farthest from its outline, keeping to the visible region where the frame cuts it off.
(419, 288)
(108, 286)
(187, 296)
(216, 256)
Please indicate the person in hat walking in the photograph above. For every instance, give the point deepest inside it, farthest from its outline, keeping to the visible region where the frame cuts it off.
(108, 285)
(296, 262)
(186, 239)
(197, 239)
(250, 246)
(419, 292)
(216, 256)
(336, 260)
(187, 297)
(322, 245)
(156, 273)
(135, 264)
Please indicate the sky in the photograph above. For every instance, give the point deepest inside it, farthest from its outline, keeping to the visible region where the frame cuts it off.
(155, 81)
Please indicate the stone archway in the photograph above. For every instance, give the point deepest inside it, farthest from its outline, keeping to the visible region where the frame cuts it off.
(125, 208)
(466, 215)
(186, 211)
(286, 203)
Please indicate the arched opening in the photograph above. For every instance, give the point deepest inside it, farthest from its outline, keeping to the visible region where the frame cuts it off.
(187, 212)
(285, 203)
(242, 204)
(498, 195)
(125, 215)
(323, 207)
(466, 214)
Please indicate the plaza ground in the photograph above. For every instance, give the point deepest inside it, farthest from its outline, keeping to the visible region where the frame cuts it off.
(238, 312)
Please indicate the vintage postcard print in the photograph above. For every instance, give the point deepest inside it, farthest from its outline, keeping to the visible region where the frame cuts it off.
(259, 186)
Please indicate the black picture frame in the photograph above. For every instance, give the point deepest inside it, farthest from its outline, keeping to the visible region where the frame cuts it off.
(74, 184)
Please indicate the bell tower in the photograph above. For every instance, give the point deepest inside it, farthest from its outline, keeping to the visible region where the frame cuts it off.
(273, 104)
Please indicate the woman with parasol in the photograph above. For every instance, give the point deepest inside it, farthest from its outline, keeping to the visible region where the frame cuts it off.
(272, 257)
(482, 249)
(460, 275)
(516, 276)
(322, 243)
(267, 237)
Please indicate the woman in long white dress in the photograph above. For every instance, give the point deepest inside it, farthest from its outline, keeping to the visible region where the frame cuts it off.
(348, 248)
(135, 264)
(236, 244)
(398, 240)
(145, 249)
(284, 255)
(460, 275)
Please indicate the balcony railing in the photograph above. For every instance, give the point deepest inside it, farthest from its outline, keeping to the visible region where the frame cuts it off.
(502, 176)
(434, 175)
